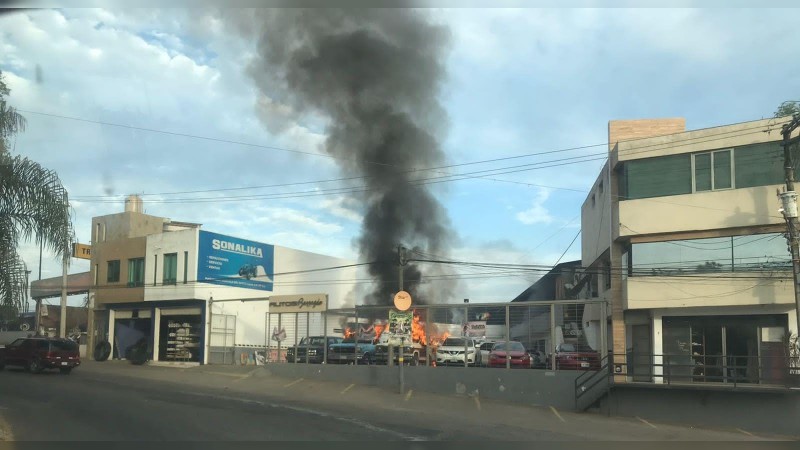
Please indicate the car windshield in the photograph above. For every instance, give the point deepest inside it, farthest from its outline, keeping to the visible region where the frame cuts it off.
(453, 342)
(313, 341)
(567, 348)
(514, 346)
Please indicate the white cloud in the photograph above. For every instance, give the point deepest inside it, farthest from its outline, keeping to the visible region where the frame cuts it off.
(537, 213)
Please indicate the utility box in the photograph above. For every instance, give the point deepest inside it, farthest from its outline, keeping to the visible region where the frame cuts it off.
(789, 204)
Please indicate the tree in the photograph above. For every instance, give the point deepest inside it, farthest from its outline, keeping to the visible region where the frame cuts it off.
(788, 109)
(33, 206)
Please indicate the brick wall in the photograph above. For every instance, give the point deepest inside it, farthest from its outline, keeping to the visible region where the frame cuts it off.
(622, 130)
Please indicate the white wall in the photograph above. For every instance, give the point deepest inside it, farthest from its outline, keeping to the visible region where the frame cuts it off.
(164, 243)
(707, 290)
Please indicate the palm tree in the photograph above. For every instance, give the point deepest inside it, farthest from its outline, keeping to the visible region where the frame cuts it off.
(33, 205)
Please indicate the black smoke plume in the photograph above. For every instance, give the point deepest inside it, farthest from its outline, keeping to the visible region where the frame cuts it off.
(374, 76)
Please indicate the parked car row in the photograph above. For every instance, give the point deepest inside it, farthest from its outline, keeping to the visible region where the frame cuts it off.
(453, 351)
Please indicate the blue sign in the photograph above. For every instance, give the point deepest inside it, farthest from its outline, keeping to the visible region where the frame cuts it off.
(235, 262)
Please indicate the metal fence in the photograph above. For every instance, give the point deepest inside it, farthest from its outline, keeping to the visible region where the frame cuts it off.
(222, 339)
(555, 335)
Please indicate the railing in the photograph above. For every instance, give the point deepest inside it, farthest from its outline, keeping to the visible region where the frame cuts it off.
(592, 385)
(726, 370)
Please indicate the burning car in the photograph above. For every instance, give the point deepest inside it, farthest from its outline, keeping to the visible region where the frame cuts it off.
(347, 352)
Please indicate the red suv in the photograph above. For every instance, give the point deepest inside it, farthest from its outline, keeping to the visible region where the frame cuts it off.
(39, 353)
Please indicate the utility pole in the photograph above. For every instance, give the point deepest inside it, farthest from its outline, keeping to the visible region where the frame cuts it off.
(789, 203)
(401, 254)
(62, 333)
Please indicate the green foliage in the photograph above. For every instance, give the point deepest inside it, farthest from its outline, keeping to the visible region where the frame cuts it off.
(788, 109)
(33, 206)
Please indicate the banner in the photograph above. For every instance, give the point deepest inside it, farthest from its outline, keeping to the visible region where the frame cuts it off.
(400, 326)
(235, 262)
(475, 329)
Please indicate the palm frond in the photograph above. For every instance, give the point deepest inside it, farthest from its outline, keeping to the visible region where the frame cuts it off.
(13, 288)
(33, 205)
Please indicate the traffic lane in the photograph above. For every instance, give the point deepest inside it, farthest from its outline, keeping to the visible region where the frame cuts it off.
(52, 406)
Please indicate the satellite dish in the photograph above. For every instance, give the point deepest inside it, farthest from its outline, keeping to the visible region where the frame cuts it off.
(402, 300)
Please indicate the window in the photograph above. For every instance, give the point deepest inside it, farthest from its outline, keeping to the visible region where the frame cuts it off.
(113, 271)
(759, 165)
(170, 268)
(600, 186)
(136, 272)
(593, 200)
(747, 253)
(185, 266)
(656, 177)
(712, 170)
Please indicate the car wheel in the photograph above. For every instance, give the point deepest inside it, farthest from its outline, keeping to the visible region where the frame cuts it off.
(24, 326)
(34, 366)
(367, 359)
(415, 359)
(65, 370)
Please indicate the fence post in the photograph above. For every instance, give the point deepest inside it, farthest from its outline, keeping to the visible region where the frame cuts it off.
(325, 336)
(307, 336)
(553, 336)
(669, 371)
(466, 336)
(426, 330)
(356, 335)
(508, 338)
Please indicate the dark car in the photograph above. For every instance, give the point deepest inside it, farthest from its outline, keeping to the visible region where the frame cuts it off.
(570, 357)
(502, 351)
(311, 349)
(247, 271)
(38, 354)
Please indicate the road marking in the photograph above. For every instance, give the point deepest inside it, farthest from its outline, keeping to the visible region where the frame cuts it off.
(646, 422)
(477, 402)
(746, 432)
(555, 411)
(347, 388)
(293, 383)
(408, 395)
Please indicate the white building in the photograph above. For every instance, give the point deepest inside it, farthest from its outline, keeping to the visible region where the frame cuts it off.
(165, 282)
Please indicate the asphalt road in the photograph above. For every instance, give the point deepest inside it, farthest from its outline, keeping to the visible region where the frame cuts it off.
(120, 402)
(81, 406)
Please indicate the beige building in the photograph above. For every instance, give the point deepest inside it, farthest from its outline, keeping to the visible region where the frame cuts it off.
(683, 235)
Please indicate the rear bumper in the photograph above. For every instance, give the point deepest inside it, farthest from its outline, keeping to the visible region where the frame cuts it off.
(573, 364)
(58, 364)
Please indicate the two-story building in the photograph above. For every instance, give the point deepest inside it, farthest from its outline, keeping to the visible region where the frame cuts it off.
(684, 237)
(162, 282)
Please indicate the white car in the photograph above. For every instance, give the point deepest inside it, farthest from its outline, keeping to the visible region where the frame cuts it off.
(483, 351)
(451, 352)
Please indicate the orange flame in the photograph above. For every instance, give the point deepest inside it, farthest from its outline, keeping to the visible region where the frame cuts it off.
(348, 333)
(378, 330)
(418, 331)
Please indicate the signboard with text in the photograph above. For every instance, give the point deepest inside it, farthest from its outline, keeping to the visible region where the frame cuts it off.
(400, 327)
(476, 329)
(298, 303)
(231, 261)
(81, 251)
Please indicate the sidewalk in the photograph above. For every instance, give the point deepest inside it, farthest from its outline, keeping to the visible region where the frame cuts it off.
(450, 416)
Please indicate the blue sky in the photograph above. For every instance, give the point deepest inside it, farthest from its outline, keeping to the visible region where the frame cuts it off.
(519, 82)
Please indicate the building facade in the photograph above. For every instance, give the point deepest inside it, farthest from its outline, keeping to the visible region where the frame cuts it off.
(168, 283)
(683, 236)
